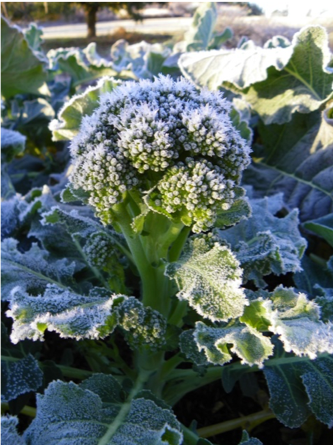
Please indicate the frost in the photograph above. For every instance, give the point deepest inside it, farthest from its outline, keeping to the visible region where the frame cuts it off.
(249, 344)
(31, 270)
(87, 414)
(209, 279)
(299, 386)
(264, 244)
(9, 435)
(20, 377)
(295, 319)
(144, 327)
(63, 311)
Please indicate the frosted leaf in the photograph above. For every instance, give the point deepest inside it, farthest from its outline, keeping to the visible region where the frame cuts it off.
(277, 82)
(318, 382)
(144, 327)
(32, 269)
(8, 217)
(249, 344)
(264, 244)
(12, 144)
(209, 279)
(63, 311)
(295, 319)
(70, 116)
(9, 434)
(70, 415)
(20, 377)
(189, 348)
(299, 386)
(73, 222)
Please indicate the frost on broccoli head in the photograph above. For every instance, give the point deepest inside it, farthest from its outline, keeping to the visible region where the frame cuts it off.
(175, 145)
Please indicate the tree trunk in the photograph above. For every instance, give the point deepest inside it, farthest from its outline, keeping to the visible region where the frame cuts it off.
(4, 9)
(91, 22)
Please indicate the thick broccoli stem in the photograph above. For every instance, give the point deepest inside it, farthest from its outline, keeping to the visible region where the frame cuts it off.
(149, 251)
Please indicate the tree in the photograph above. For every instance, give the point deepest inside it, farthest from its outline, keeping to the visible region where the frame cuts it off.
(91, 9)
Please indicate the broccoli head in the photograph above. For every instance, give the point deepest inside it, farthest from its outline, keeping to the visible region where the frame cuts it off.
(168, 141)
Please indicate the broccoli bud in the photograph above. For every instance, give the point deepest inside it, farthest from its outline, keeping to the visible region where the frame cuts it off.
(167, 140)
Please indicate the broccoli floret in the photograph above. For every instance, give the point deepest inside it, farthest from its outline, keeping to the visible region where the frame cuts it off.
(174, 144)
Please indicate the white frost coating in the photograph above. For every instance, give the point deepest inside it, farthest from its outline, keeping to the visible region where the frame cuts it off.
(11, 138)
(297, 321)
(264, 243)
(20, 377)
(70, 415)
(9, 434)
(63, 311)
(209, 279)
(249, 344)
(161, 134)
(31, 269)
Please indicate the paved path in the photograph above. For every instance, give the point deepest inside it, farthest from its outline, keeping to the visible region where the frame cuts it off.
(153, 26)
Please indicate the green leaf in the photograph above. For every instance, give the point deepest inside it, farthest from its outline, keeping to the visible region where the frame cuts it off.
(201, 30)
(275, 81)
(99, 414)
(33, 36)
(9, 434)
(69, 118)
(32, 269)
(294, 318)
(61, 310)
(209, 278)
(247, 343)
(323, 227)
(10, 215)
(218, 39)
(81, 68)
(299, 386)
(264, 244)
(20, 377)
(21, 70)
(297, 159)
(313, 277)
(12, 144)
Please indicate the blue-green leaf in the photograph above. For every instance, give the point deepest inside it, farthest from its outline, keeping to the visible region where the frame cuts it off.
(9, 434)
(209, 279)
(91, 414)
(264, 243)
(21, 70)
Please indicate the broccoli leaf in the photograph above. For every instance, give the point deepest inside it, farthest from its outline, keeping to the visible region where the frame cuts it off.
(69, 118)
(12, 144)
(100, 414)
(21, 70)
(9, 434)
(269, 77)
(299, 386)
(209, 278)
(297, 159)
(264, 244)
(248, 343)
(200, 33)
(20, 377)
(63, 311)
(323, 227)
(32, 269)
(294, 318)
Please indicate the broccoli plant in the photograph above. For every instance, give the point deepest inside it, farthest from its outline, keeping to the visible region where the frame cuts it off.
(172, 263)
